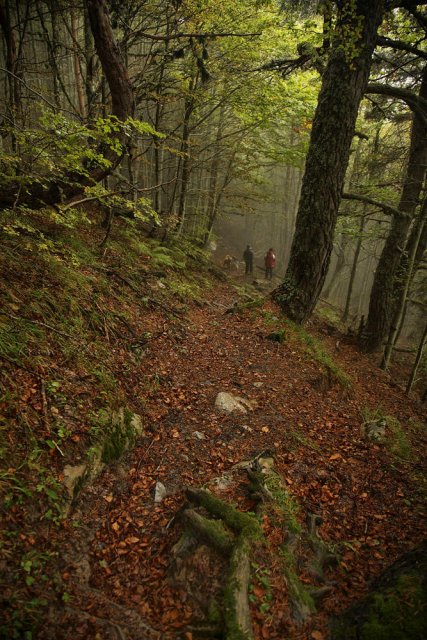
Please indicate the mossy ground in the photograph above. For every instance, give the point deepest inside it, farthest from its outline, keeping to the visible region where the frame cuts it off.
(396, 612)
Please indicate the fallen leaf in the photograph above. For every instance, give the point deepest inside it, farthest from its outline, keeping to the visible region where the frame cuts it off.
(108, 498)
(258, 591)
(317, 635)
(335, 456)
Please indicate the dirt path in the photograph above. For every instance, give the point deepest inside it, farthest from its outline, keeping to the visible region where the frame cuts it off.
(365, 501)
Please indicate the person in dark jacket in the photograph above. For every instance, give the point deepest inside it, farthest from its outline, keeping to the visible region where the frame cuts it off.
(248, 257)
(270, 263)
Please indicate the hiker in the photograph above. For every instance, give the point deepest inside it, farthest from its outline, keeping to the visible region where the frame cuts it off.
(270, 263)
(248, 257)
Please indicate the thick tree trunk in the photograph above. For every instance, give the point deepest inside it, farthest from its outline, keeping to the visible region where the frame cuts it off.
(123, 107)
(344, 82)
(381, 299)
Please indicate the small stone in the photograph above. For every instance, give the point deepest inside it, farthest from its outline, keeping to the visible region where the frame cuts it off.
(160, 492)
(258, 385)
(199, 435)
(229, 403)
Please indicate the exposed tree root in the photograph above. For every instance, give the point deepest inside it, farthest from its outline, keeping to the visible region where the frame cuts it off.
(237, 618)
(233, 535)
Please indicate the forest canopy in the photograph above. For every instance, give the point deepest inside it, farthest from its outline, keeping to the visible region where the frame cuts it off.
(179, 113)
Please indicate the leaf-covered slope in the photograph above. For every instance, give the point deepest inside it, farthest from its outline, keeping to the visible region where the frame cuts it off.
(143, 326)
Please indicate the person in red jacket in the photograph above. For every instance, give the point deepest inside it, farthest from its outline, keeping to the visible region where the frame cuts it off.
(270, 263)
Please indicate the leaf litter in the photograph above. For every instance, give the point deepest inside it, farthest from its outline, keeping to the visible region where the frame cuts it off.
(370, 505)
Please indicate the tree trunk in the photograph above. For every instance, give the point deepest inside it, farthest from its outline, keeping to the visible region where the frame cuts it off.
(407, 276)
(381, 299)
(417, 361)
(12, 68)
(78, 76)
(354, 267)
(122, 107)
(344, 82)
(421, 243)
(185, 154)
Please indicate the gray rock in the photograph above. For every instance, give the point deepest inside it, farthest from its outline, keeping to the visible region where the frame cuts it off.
(160, 492)
(229, 403)
(374, 431)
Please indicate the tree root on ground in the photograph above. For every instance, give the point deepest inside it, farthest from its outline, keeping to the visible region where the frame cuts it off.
(234, 537)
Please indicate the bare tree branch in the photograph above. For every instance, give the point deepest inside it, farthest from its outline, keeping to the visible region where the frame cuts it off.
(382, 41)
(387, 209)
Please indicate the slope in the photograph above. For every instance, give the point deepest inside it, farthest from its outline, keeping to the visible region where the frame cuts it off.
(145, 331)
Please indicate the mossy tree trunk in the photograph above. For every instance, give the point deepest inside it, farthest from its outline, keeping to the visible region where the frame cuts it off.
(344, 82)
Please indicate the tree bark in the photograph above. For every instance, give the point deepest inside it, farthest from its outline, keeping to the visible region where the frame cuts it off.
(382, 292)
(343, 85)
(12, 67)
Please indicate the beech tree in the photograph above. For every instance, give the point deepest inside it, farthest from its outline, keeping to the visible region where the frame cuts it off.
(344, 82)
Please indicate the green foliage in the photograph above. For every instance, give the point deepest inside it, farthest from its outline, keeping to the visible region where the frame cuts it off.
(117, 437)
(283, 501)
(57, 146)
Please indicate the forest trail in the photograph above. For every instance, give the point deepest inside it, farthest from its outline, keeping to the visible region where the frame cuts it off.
(369, 500)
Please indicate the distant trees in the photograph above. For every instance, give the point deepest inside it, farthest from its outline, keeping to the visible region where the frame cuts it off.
(179, 113)
(191, 74)
(382, 300)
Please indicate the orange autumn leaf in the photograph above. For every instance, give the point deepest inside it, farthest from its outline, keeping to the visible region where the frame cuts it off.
(258, 591)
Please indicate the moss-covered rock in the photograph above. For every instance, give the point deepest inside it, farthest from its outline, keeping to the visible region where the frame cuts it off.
(395, 608)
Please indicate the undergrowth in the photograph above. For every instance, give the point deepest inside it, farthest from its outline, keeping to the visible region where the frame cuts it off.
(73, 328)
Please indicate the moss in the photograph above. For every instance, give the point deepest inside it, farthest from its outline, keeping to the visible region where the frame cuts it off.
(120, 437)
(243, 523)
(398, 443)
(211, 531)
(302, 601)
(399, 613)
(395, 612)
(320, 355)
(233, 629)
(283, 501)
